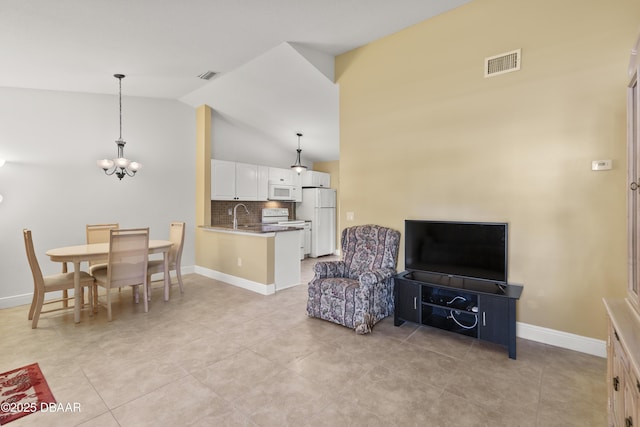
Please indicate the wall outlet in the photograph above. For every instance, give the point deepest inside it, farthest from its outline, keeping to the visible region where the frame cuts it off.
(601, 165)
(350, 216)
(239, 262)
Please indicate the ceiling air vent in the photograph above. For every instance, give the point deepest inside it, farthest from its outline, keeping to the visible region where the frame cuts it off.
(207, 75)
(503, 63)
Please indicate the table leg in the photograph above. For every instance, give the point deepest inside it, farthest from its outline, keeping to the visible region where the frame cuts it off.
(77, 292)
(165, 256)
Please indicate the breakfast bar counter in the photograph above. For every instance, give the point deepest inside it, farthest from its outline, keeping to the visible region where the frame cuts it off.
(259, 257)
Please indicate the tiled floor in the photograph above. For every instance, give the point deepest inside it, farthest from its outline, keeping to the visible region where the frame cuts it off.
(223, 356)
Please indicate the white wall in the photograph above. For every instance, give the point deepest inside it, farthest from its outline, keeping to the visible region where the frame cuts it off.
(51, 184)
(238, 142)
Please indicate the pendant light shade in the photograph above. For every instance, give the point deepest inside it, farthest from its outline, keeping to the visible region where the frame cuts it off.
(298, 166)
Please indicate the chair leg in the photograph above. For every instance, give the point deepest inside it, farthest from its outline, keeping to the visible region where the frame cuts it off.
(179, 274)
(94, 304)
(90, 299)
(148, 287)
(38, 309)
(136, 294)
(145, 296)
(109, 318)
(34, 301)
(65, 301)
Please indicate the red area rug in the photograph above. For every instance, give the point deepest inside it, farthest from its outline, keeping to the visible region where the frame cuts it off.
(22, 392)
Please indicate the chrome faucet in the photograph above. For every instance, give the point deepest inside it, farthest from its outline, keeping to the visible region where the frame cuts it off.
(235, 217)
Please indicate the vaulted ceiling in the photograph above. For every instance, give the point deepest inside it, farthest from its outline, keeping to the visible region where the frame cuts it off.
(261, 50)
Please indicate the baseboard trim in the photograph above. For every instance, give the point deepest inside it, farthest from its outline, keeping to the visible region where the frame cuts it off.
(250, 285)
(25, 299)
(562, 339)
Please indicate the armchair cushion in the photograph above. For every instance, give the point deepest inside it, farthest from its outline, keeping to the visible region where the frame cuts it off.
(357, 292)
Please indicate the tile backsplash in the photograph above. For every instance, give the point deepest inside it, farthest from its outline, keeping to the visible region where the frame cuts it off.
(220, 211)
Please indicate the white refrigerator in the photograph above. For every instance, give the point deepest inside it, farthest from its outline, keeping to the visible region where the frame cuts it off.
(319, 206)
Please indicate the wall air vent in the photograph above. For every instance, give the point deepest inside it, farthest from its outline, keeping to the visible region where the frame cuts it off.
(503, 63)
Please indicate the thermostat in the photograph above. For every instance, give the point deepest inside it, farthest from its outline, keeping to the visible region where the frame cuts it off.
(601, 165)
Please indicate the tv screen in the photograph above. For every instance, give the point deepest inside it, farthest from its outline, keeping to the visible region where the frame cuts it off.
(475, 250)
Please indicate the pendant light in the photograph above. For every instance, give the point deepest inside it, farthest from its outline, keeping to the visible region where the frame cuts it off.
(298, 166)
(121, 165)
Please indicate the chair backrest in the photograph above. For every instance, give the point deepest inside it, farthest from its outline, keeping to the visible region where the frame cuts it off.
(176, 236)
(99, 233)
(128, 256)
(369, 247)
(38, 280)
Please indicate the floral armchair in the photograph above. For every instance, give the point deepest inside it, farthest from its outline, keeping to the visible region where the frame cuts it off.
(357, 291)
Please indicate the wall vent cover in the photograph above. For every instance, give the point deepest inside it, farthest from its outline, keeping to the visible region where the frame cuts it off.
(503, 63)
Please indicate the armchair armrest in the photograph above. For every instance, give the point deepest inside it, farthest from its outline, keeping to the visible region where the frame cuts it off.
(371, 277)
(324, 269)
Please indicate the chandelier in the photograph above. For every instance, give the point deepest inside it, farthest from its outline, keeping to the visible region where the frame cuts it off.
(298, 166)
(120, 166)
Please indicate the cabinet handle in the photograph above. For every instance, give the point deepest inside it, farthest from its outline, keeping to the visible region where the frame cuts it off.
(628, 422)
(615, 333)
(633, 186)
(415, 303)
(484, 318)
(616, 383)
(638, 385)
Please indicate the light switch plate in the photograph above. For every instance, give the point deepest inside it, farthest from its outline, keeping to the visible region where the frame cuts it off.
(601, 165)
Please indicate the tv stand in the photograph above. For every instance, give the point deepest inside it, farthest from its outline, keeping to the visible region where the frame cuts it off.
(476, 308)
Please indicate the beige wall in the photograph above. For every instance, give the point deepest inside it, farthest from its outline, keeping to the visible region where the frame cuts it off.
(424, 135)
(220, 252)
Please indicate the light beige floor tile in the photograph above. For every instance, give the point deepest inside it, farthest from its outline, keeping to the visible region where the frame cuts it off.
(120, 380)
(440, 341)
(227, 356)
(283, 400)
(237, 375)
(183, 402)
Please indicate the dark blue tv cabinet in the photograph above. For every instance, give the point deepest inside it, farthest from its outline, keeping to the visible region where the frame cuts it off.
(475, 308)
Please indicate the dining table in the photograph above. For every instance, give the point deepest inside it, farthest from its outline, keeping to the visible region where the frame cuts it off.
(97, 251)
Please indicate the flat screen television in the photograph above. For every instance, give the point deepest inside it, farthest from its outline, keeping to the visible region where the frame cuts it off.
(476, 250)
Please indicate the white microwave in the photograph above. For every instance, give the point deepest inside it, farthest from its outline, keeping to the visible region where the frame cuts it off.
(281, 192)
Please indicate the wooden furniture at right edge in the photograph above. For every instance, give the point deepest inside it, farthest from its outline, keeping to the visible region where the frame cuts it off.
(623, 343)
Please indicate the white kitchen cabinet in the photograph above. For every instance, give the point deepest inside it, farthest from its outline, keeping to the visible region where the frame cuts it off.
(316, 179)
(233, 181)
(263, 183)
(281, 176)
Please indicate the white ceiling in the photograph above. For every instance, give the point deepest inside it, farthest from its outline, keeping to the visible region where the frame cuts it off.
(162, 46)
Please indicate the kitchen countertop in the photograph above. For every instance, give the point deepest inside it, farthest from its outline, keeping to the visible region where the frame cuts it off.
(250, 228)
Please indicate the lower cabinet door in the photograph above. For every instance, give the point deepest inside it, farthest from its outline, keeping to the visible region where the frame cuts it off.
(408, 304)
(493, 319)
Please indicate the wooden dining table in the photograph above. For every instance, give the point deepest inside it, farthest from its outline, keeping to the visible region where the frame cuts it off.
(97, 251)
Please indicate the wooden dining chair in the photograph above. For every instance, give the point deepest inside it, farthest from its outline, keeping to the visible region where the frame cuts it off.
(176, 236)
(99, 233)
(54, 283)
(127, 263)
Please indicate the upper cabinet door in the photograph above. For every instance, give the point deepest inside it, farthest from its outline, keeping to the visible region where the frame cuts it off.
(246, 181)
(263, 183)
(280, 176)
(233, 181)
(316, 179)
(223, 180)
